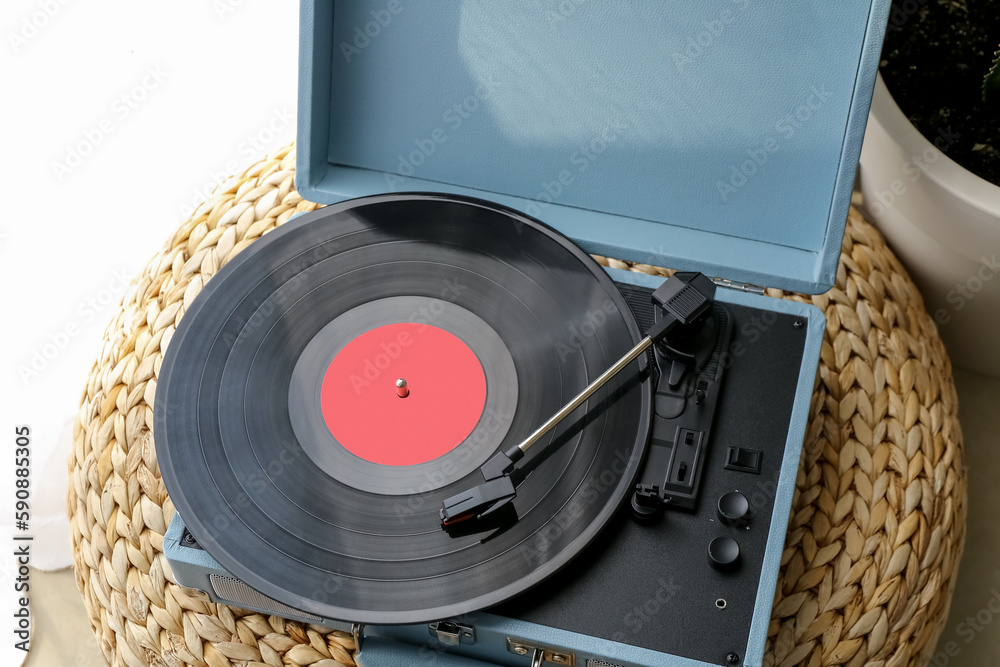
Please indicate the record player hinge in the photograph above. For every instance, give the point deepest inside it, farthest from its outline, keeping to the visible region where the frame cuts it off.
(740, 287)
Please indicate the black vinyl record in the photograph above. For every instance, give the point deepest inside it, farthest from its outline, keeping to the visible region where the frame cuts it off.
(260, 455)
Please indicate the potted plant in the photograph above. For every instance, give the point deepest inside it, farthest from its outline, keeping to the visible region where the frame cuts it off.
(930, 165)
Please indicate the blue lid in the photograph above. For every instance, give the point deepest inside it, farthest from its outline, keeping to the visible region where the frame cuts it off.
(718, 136)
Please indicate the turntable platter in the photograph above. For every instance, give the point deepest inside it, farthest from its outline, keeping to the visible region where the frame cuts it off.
(300, 463)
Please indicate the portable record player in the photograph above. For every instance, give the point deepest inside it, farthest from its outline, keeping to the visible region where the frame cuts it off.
(424, 415)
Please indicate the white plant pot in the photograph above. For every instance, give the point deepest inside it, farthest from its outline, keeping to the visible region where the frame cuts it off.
(943, 222)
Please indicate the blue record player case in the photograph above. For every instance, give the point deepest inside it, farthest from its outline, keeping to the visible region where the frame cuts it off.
(718, 136)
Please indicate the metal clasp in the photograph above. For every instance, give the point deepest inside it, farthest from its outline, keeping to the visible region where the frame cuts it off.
(451, 633)
(540, 654)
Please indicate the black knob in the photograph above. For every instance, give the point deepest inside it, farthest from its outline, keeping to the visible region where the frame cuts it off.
(724, 554)
(734, 509)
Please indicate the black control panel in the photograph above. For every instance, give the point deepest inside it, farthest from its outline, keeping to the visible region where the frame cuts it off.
(678, 571)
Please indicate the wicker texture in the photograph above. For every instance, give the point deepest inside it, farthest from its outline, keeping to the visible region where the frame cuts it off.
(878, 519)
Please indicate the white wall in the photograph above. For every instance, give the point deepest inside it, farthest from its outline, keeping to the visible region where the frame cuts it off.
(117, 118)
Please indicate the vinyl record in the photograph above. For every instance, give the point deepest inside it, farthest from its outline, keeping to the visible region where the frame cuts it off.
(294, 460)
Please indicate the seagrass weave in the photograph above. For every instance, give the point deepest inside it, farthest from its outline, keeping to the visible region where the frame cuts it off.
(878, 519)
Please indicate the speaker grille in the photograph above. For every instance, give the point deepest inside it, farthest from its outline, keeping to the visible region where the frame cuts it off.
(239, 594)
(600, 663)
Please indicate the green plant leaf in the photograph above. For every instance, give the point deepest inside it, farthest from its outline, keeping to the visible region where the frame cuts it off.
(991, 84)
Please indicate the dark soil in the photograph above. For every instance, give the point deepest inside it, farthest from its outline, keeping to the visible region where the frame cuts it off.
(935, 56)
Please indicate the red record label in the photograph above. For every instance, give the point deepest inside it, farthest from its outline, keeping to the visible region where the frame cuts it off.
(445, 394)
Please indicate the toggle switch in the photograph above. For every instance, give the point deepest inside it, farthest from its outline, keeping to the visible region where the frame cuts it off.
(742, 459)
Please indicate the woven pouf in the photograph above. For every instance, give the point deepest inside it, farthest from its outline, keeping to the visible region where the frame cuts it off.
(877, 523)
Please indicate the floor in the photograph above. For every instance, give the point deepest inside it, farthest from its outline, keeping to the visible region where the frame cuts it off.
(968, 639)
(63, 637)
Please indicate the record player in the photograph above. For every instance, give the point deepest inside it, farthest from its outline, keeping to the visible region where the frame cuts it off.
(424, 415)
